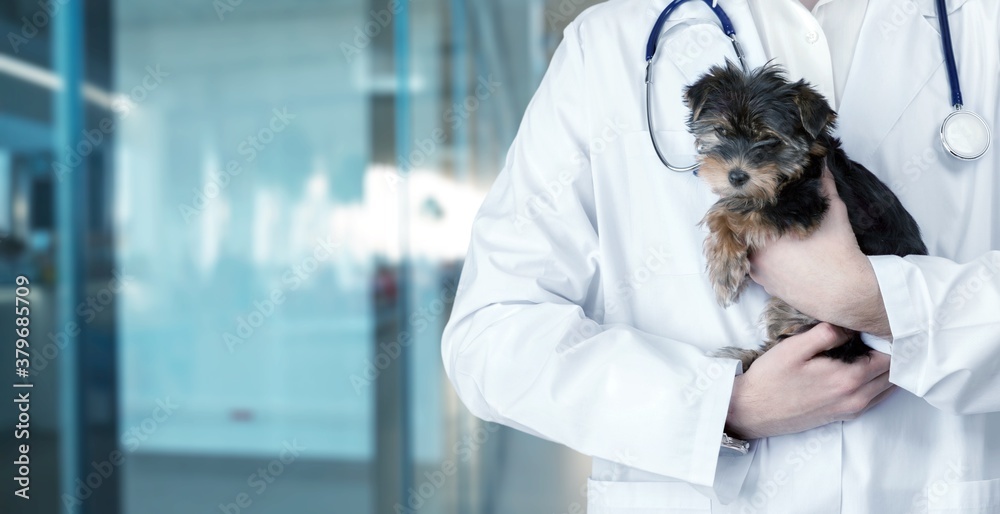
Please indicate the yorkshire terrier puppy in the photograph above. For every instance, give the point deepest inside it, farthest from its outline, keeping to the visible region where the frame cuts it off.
(762, 143)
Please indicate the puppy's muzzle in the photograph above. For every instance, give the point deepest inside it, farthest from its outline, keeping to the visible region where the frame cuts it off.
(738, 177)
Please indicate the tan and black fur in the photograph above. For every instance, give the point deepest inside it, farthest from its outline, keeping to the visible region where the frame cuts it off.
(762, 144)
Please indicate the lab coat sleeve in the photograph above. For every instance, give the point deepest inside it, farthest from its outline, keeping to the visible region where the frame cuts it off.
(945, 322)
(524, 346)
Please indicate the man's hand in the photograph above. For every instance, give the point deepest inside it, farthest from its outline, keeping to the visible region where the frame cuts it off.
(825, 275)
(791, 388)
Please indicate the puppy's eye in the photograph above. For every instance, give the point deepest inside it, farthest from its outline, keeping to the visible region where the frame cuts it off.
(769, 143)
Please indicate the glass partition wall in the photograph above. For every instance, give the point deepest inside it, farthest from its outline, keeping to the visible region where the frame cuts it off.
(242, 209)
(279, 211)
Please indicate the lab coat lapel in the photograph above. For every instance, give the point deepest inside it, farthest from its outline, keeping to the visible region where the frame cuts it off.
(746, 31)
(929, 9)
(898, 52)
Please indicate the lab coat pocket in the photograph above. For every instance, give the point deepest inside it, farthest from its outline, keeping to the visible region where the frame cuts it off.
(979, 497)
(645, 498)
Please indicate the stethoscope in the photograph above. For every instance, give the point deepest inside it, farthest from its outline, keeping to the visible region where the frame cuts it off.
(964, 134)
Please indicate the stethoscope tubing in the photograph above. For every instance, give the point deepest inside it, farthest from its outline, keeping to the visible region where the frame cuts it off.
(949, 54)
(730, 31)
(651, 44)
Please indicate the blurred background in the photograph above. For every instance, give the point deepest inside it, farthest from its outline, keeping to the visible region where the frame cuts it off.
(243, 222)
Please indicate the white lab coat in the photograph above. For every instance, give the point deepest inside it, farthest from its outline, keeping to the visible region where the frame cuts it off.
(584, 315)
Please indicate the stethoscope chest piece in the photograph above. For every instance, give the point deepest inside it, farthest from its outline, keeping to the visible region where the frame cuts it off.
(965, 135)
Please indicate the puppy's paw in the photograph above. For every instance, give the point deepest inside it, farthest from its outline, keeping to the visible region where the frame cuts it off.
(783, 321)
(727, 255)
(729, 275)
(744, 355)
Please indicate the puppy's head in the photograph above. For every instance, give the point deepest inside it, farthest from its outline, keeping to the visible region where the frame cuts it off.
(754, 131)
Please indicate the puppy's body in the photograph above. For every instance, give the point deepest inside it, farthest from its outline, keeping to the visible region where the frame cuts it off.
(763, 143)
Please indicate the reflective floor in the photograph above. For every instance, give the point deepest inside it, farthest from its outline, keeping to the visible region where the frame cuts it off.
(535, 477)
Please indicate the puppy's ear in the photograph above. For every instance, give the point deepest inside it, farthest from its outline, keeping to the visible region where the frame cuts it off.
(695, 97)
(815, 111)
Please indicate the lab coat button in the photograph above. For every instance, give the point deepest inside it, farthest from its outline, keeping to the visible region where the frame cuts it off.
(812, 37)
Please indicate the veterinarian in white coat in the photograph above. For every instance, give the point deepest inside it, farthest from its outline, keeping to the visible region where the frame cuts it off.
(584, 315)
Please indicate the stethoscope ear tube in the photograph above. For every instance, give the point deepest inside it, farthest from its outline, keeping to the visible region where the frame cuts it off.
(727, 27)
(651, 43)
(652, 135)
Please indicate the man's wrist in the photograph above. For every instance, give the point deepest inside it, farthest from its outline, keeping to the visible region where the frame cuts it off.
(862, 303)
(736, 422)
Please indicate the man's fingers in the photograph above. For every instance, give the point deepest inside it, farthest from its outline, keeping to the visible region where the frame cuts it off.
(878, 363)
(861, 400)
(819, 339)
(881, 396)
(874, 387)
(829, 184)
(878, 398)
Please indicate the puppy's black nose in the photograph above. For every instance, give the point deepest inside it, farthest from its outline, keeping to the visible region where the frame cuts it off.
(738, 177)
